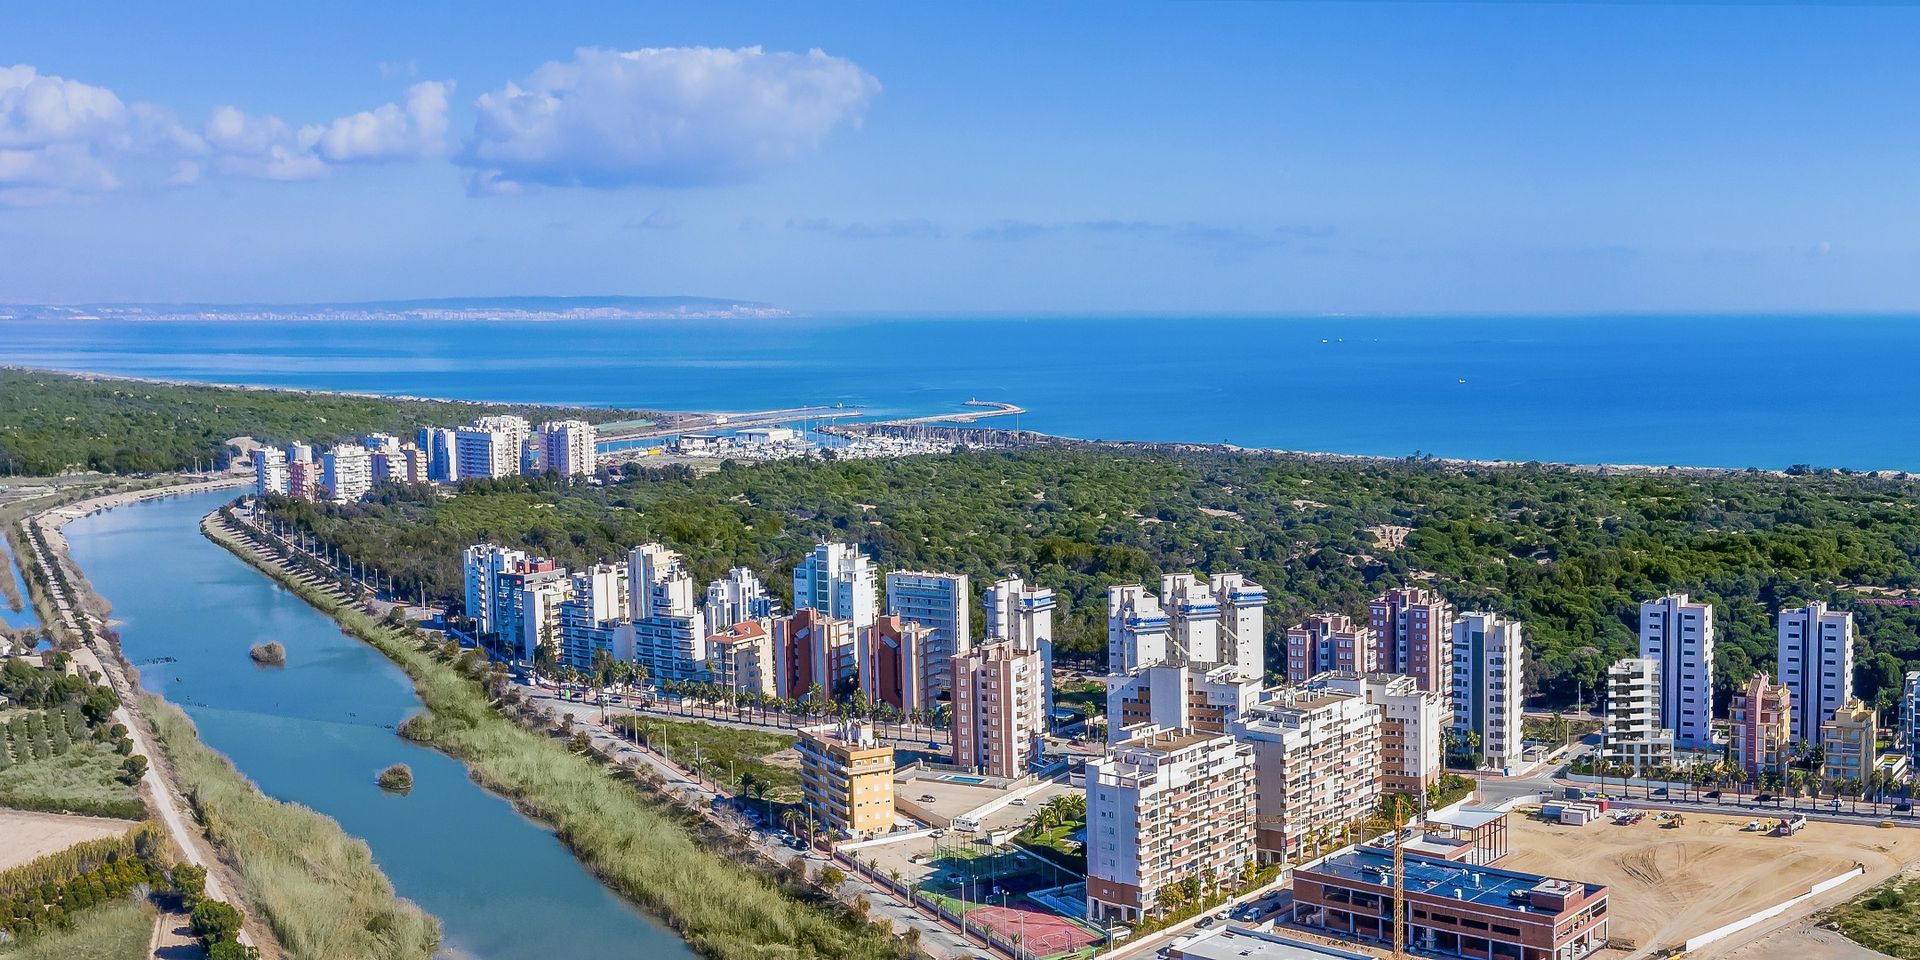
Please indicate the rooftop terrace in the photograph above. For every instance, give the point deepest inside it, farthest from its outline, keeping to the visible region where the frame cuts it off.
(1487, 886)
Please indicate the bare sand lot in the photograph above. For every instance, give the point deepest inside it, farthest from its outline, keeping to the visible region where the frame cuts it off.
(25, 837)
(1669, 884)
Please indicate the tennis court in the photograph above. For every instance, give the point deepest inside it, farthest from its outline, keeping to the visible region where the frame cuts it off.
(1038, 933)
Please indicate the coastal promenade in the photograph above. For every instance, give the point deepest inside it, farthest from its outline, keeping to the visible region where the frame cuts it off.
(80, 617)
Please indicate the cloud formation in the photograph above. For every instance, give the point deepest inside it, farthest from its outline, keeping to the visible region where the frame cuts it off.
(63, 139)
(673, 116)
(915, 228)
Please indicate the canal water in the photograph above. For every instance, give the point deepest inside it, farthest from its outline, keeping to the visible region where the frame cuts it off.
(316, 732)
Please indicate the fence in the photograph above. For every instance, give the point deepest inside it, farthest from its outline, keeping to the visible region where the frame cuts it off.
(1773, 911)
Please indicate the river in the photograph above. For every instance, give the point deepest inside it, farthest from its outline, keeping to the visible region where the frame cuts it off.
(317, 730)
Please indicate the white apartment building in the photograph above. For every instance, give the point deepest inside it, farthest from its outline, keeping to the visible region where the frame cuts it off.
(839, 581)
(1243, 622)
(565, 447)
(666, 632)
(1633, 736)
(269, 471)
(1489, 685)
(1024, 615)
(479, 452)
(1178, 696)
(1909, 732)
(1317, 765)
(516, 429)
(591, 616)
(1139, 633)
(942, 603)
(1193, 617)
(440, 445)
(1816, 665)
(737, 597)
(999, 708)
(483, 564)
(346, 473)
(1161, 807)
(1413, 725)
(1677, 634)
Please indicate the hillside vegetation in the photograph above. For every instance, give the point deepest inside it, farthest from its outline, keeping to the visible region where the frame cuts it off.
(54, 422)
(1572, 553)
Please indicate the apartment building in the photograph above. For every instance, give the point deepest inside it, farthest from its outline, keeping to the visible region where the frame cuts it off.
(592, 613)
(999, 708)
(479, 452)
(269, 471)
(1193, 618)
(1317, 765)
(1327, 642)
(1489, 685)
(1677, 634)
(1762, 726)
(1139, 632)
(1848, 739)
(896, 658)
(740, 658)
(666, 631)
(1816, 664)
(346, 473)
(737, 597)
(1413, 630)
(565, 447)
(303, 478)
(812, 649)
(1413, 724)
(839, 581)
(514, 600)
(441, 447)
(1632, 735)
(1163, 806)
(1178, 697)
(941, 603)
(1909, 737)
(1023, 614)
(1243, 623)
(846, 779)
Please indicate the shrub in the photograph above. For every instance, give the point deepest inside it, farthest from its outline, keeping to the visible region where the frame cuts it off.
(273, 653)
(397, 778)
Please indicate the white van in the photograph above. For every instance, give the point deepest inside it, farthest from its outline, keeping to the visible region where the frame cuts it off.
(968, 824)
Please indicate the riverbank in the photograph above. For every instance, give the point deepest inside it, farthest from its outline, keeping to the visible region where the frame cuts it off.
(640, 847)
(310, 891)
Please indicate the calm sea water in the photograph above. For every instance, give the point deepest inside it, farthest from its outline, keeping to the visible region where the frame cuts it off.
(1722, 391)
(317, 731)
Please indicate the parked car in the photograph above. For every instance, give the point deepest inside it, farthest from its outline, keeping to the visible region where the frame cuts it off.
(1832, 804)
(1903, 807)
(1018, 801)
(1208, 922)
(933, 744)
(1711, 795)
(926, 798)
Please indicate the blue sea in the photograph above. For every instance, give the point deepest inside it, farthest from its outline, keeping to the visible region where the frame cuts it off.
(1758, 391)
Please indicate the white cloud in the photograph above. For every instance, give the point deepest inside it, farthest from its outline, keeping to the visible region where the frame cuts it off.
(672, 116)
(63, 139)
(391, 132)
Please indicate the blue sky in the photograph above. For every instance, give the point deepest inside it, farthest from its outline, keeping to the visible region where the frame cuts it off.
(1238, 157)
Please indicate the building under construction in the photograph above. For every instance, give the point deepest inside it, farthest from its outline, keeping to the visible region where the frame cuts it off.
(1452, 908)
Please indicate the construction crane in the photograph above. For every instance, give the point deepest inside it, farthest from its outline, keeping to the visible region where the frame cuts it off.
(1394, 806)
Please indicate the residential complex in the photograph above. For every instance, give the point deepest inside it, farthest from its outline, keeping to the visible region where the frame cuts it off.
(1816, 665)
(1326, 642)
(1413, 723)
(346, 473)
(1138, 633)
(1023, 614)
(941, 604)
(814, 651)
(1848, 739)
(1316, 757)
(740, 658)
(492, 446)
(1453, 909)
(1632, 737)
(1163, 806)
(270, 471)
(1413, 630)
(736, 597)
(896, 659)
(565, 447)
(1909, 738)
(1489, 685)
(1762, 726)
(839, 581)
(999, 708)
(1178, 697)
(591, 616)
(665, 632)
(1677, 634)
(846, 779)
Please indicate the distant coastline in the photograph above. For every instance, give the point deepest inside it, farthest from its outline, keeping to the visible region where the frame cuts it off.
(480, 309)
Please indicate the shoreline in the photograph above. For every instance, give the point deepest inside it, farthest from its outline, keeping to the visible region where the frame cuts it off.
(1025, 437)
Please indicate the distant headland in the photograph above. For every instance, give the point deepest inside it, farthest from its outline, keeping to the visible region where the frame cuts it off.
(445, 308)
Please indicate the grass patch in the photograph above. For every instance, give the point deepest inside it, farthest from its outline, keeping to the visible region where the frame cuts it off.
(712, 894)
(717, 747)
(85, 780)
(117, 932)
(1886, 918)
(317, 887)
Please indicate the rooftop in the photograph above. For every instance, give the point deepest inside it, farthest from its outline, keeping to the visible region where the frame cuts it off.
(1466, 818)
(1487, 886)
(1233, 944)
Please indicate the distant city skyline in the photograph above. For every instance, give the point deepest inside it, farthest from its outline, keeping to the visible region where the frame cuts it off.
(1206, 158)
